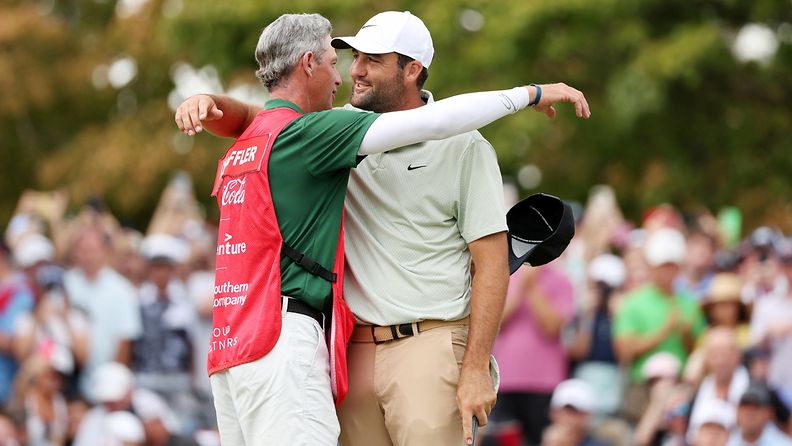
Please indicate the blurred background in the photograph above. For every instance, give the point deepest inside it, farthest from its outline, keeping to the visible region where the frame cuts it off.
(690, 99)
(105, 207)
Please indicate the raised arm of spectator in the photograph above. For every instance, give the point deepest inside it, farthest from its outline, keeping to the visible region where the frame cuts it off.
(225, 116)
(547, 315)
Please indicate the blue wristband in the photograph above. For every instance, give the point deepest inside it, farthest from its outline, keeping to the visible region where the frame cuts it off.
(538, 95)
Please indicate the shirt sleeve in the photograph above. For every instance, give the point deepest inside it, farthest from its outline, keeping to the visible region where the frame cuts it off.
(331, 139)
(481, 210)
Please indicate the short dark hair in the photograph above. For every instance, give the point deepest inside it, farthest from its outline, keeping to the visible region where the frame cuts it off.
(404, 60)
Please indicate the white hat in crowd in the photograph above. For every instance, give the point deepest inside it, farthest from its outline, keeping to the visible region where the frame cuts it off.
(662, 365)
(392, 32)
(665, 246)
(32, 249)
(575, 393)
(715, 411)
(164, 247)
(111, 382)
(124, 427)
(609, 269)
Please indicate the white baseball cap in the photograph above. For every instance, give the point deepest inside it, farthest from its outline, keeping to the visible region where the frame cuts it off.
(573, 392)
(609, 269)
(715, 411)
(665, 246)
(111, 382)
(392, 32)
(165, 247)
(32, 249)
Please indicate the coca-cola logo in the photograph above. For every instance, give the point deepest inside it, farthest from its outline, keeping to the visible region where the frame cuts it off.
(233, 192)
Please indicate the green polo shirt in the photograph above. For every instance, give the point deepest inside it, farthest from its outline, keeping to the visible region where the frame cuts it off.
(644, 311)
(308, 173)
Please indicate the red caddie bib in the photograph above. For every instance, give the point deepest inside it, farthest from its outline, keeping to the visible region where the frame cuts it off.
(246, 318)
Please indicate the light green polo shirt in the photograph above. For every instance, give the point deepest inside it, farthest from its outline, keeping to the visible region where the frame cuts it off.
(644, 311)
(410, 215)
(308, 173)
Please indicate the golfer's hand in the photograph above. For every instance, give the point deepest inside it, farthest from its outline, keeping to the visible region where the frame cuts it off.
(555, 93)
(475, 397)
(195, 110)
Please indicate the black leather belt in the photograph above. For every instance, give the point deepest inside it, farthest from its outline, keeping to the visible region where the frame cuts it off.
(300, 307)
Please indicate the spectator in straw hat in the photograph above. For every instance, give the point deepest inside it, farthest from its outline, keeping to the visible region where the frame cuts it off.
(723, 307)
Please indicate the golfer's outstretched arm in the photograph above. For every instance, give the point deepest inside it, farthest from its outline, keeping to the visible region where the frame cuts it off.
(463, 113)
(224, 116)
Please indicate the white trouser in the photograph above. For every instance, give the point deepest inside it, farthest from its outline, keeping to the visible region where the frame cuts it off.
(283, 398)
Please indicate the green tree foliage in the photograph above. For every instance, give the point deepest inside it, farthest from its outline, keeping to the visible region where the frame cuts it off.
(676, 117)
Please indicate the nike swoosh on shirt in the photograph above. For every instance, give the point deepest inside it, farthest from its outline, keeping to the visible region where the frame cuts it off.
(366, 26)
(411, 167)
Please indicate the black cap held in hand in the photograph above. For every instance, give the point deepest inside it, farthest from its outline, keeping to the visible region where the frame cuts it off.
(540, 228)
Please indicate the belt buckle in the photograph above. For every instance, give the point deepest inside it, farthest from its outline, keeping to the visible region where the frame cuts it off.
(397, 332)
(405, 330)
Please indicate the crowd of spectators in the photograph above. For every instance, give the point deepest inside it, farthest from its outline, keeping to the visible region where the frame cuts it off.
(104, 330)
(661, 333)
(657, 333)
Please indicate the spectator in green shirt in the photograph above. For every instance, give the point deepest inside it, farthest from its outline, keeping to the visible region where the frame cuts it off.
(654, 318)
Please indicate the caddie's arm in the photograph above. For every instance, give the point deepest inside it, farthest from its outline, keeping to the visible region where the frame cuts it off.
(475, 393)
(225, 116)
(220, 115)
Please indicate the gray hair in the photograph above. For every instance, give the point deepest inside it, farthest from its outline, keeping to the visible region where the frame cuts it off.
(284, 41)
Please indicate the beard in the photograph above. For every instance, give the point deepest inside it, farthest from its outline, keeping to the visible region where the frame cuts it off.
(383, 97)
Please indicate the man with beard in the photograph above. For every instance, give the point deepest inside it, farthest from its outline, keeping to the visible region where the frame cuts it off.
(416, 217)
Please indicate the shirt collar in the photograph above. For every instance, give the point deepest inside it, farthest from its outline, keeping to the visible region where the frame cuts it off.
(277, 103)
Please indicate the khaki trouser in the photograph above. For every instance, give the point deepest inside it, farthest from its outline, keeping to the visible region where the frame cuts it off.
(403, 392)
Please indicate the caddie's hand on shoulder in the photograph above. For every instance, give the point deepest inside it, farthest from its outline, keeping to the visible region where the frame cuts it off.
(552, 94)
(195, 110)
